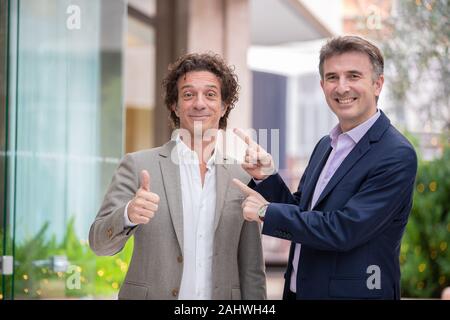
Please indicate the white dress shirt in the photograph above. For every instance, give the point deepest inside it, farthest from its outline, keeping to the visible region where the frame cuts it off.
(199, 206)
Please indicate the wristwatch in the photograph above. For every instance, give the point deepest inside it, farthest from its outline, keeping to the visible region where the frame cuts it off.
(262, 212)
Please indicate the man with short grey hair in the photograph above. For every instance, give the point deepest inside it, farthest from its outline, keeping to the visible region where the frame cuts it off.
(347, 217)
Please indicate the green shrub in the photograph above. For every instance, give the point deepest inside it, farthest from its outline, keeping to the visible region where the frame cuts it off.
(425, 256)
(99, 277)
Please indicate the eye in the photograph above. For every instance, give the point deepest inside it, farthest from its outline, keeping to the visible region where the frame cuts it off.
(187, 95)
(355, 76)
(331, 78)
(211, 94)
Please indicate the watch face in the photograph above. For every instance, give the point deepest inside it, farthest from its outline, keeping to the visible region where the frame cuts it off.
(262, 212)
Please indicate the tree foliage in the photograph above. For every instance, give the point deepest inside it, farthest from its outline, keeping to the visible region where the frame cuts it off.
(417, 59)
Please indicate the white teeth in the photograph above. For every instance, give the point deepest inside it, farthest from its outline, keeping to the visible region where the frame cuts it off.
(345, 101)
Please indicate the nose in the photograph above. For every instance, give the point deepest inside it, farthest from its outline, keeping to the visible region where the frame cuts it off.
(342, 86)
(200, 102)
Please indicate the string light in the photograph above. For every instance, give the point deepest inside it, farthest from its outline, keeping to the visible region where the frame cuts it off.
(432, 186)
(422, 267)
(420, 187)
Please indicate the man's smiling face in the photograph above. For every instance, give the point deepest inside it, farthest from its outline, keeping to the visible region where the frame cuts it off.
(199, 101)
(350, 88)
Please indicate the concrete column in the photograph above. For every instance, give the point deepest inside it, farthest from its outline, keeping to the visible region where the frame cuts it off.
(171, 42)
(236, 44)
(221, 26)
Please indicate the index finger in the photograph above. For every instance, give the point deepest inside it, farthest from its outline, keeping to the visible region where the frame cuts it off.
(244, 188)
(245, 137)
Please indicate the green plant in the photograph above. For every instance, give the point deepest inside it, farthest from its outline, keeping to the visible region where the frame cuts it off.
(98, 276)
(425, 256)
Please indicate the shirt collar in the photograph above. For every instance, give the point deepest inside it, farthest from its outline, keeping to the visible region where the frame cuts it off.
(356, 133)
(188, 156)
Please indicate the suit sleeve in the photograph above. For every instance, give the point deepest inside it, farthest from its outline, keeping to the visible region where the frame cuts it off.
(108, 234)
(273, 188)
(252, 274)
(367, 213)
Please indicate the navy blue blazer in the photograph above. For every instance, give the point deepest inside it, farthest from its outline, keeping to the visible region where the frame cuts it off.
(356, 225)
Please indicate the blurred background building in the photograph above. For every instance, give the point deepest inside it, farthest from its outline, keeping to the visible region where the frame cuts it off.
(80, 86)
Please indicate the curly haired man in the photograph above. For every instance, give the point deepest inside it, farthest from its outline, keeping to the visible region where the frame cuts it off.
(190, 238)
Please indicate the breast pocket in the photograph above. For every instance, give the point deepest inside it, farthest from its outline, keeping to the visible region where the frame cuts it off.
(132, 291)
(233, 204)
(346, 187)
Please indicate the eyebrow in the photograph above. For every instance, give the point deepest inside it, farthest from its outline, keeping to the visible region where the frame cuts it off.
(355, 71)
(350, 71)
(211, 86)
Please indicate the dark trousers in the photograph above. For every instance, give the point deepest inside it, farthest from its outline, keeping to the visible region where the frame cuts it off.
(291, 295)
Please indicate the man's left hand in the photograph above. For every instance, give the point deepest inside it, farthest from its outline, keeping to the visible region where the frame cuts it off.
(252, 203)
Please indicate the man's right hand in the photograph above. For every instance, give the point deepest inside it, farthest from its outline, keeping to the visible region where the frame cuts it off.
(145, 203)
(258, 162)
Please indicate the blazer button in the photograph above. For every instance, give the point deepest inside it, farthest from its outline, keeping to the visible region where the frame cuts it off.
(180, 259)
(110, 232)
(175, 292)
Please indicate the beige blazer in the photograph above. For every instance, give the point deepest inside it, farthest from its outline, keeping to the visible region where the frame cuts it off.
(156, 266)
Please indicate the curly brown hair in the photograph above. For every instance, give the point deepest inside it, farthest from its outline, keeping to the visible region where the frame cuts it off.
(202, 62)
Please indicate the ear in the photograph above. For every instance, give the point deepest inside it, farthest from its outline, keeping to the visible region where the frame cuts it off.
(224, 110)
(378, 85)
(175, 109)
(321, 83)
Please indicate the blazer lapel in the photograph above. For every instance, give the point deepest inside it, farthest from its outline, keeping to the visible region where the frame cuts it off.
(171, 177)
(222, 183)
(310, 183)
(362, 147)
(358, 151)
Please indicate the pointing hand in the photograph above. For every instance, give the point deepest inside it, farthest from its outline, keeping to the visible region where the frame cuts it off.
(257, 162)
(252, 203)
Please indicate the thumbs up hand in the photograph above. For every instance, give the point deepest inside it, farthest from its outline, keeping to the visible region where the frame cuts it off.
(145, 203)
(252, 203)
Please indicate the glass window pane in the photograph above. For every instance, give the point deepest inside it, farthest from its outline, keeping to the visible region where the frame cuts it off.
(67, 137)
